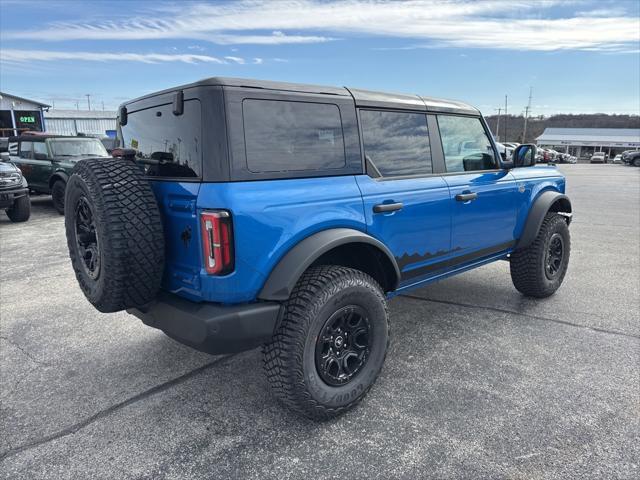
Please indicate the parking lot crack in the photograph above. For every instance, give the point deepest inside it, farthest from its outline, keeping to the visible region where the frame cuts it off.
(523, 314)
(113, 408)
(25, 352)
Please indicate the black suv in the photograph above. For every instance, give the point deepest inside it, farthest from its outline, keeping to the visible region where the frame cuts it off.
(47, 160)
(14, 193)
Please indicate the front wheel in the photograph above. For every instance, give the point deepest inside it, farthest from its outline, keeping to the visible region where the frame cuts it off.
(331, 343)
(20, 211)
(539, 269)
(57, 195)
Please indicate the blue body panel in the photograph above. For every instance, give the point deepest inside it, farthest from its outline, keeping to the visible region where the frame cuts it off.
(420, 233)
(269, 218)
(488, 220)
(433, 236)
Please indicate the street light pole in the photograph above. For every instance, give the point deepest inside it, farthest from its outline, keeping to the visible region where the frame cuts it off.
(505, 119)
(526, 116)
(88, 95)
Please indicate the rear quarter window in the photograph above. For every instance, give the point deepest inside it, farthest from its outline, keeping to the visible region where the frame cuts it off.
(282, 136)
(166, 145)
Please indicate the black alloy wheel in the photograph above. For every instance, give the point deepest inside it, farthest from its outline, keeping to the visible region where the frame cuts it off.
(87, 238)
(554, 256)
(342, 348)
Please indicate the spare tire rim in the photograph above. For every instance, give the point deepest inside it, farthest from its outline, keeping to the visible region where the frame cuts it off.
(554, 257)
(87, 237)
(343, 345)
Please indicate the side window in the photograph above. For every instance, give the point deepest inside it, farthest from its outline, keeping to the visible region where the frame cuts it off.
(465, 144)
(292, 136)
(396, 143)
(26, 149)
(40, 151)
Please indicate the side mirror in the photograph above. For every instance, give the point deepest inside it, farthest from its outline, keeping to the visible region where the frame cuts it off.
(123, 116)
(524, 155)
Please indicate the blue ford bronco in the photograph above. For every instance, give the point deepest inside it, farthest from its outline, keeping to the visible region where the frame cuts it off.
(242, 213)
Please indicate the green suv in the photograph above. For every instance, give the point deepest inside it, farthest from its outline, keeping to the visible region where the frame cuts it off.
(46, 161)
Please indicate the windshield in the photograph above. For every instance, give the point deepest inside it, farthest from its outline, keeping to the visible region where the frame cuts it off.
(77, 147)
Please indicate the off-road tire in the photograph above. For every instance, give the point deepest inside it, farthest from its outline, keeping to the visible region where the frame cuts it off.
(289, 358)
(528, 264)
(57, 195)
(20, 211)
(128, 230)
(636, 162)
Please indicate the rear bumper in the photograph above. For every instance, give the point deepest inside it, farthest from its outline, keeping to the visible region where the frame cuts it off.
(7, 197)
(211, 327)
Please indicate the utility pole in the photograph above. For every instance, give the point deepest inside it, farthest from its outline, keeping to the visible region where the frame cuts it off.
(77, 105)
(88, 95)
(103, 105)
(526, 116)
(505, 119)
(499, 109)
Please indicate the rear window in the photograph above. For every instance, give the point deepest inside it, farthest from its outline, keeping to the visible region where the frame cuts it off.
(166, 145)
(292, 136)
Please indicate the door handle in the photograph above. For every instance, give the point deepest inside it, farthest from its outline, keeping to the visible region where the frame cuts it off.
(466, 197)
(387, 207)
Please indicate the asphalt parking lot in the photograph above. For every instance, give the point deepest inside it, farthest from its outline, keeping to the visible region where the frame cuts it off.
(479, 381)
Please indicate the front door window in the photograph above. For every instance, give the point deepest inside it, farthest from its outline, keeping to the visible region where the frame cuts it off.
(466, 145)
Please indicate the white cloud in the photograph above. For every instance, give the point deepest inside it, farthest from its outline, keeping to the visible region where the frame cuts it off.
(24, 56)
(482, 23)
(238, 60)
(258, 61)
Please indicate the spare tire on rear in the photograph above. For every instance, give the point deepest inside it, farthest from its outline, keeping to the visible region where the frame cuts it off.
(114, 234)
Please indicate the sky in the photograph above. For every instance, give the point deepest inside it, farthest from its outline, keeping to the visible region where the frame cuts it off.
(578, 56)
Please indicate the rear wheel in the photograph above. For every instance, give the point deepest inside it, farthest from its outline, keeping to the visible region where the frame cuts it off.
(114, 234)
(20, 211)
(331, 343)
(539, 269)
(57, 195)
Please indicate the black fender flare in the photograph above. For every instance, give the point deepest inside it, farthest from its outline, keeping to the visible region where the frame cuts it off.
(58, 174)
(547, 201)
(290, 268)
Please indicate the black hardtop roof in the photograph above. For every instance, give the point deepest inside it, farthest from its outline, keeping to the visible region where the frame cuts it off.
(362, 98)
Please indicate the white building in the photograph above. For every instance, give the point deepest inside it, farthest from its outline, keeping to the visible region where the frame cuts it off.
(583, 141)
(73, 122)
(19, 114)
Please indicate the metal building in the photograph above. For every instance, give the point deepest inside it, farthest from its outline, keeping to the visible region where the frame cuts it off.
(581, 142)
(19, 115)
(73, 122)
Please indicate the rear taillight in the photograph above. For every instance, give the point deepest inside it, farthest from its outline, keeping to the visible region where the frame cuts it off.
(217, 242)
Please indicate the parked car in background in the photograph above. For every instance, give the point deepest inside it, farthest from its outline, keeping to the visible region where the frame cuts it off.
(631, 157)
(46, 161)
(618, 159)
(506, 152)
(14, 191)
(598, 157)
